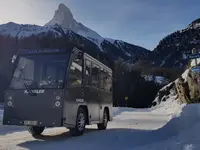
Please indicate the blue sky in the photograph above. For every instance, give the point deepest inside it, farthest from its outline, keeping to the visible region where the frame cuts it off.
(141, 22)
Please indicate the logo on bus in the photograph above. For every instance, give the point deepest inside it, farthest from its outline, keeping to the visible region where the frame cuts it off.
(79, 100)
(35, 91)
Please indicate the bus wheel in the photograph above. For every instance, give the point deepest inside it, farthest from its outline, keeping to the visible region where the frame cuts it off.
(80, 123)
(35, 130)
(103, 125)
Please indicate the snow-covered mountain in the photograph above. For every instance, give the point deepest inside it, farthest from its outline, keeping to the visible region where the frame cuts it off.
(22, 31)
(64, 23)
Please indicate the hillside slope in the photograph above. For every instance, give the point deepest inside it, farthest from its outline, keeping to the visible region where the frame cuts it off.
(172, 51)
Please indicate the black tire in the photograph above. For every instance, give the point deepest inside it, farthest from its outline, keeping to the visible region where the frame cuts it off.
(103, 125)
(35, 130)
(80, 123)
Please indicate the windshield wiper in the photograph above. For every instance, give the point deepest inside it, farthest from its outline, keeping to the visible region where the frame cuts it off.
(30, 92)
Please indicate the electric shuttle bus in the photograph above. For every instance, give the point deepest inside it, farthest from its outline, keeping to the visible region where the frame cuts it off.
(56, 88)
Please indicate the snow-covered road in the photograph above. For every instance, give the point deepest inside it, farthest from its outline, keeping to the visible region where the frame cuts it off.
(132, 129)
(129, 128)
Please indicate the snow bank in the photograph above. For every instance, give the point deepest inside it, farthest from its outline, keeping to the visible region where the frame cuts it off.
(117, 110)
(170, 107)
(181, 132)
(121, 110)
(164, 93)
(189, 116)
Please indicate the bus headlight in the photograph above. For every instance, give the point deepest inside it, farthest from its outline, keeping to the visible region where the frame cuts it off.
(57, 104)
(9, 103)
(57, 98)
(10, 98)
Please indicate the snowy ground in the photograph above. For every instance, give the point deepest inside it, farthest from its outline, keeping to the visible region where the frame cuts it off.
(169, 126)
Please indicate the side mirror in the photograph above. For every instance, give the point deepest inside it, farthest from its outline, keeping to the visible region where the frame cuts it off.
(79, 55)
(13, 58)
(50, 78)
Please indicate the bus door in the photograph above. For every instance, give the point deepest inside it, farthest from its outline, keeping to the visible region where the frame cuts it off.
(74, 90)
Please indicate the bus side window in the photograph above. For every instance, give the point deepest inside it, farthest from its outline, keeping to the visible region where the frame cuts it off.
(75, 71)
(87, 78)
(95, 73)
(108, 82)
(101, 78)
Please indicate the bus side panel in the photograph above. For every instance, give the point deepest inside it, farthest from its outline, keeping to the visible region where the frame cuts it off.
(74, 99)
(105, 101)
(91, 96)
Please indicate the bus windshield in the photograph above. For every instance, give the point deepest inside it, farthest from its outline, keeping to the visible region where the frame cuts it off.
(40, 71)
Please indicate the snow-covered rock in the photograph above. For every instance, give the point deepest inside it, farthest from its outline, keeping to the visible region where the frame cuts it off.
(164, 94)
(186, 88)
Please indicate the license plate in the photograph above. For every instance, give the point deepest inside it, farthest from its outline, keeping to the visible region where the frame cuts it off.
(33, 123)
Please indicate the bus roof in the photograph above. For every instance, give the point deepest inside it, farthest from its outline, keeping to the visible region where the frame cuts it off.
(41, 51)
(98, 62)
(95, 55)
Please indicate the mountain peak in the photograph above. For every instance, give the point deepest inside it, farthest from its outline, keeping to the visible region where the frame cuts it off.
(63, 16)
(62, 8)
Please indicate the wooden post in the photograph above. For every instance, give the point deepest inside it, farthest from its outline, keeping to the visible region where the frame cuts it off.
(126, 99)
